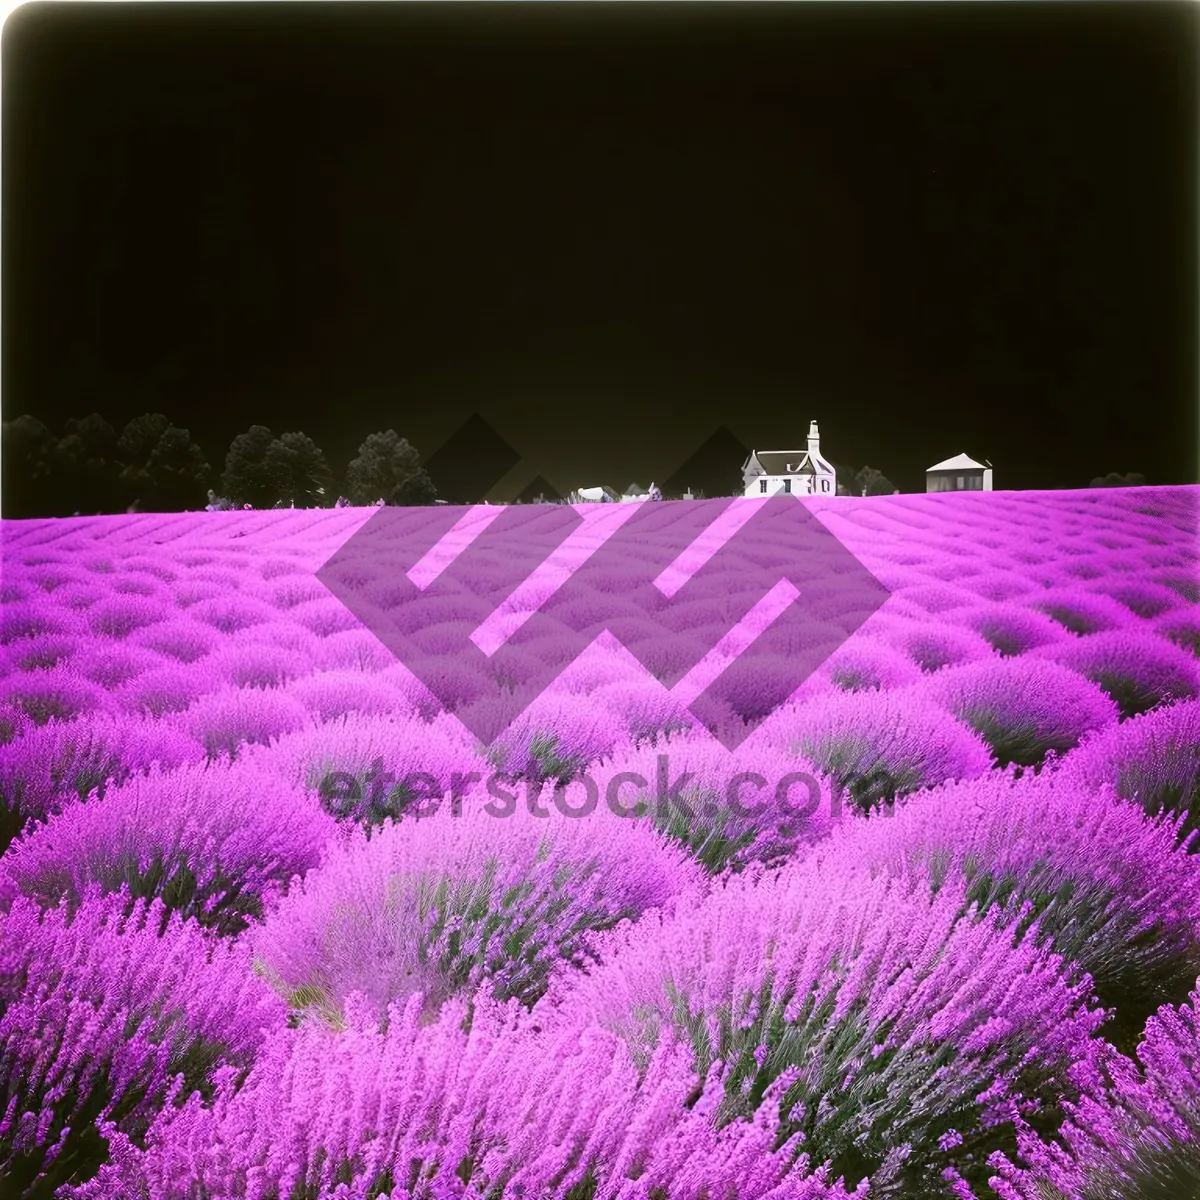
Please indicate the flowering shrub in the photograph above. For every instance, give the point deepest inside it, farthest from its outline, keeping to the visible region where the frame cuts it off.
(880, 745)
(554, 738)
(1142, 597)
(500, 1110)
(1139, 670)
(648, 711)
(1081, 611)
(1013, 629)
(59, 694)
(106, 1016)
(44, 767)
(352, 650)
(40, 653)
(861, 665)
(230, 614)
(933, 648)
(112, 664)
(328, 695)
(427, 977)
(120, 616)
(19, 621)
(253, 665)
(181, 639)
(868, 1006)
(210, 847)
(1135, 1136)
(438, 904)
(164, 690)
(728, 810)
(1182, 628)
(1023, 708)
(1153, 760)
(326, 616)
(1107, 886)
(371, 768)
(226, 720)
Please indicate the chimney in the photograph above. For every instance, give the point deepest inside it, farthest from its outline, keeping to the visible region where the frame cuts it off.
(814, 439)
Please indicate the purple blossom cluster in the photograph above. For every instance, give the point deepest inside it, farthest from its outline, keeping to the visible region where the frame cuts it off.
(276, 925)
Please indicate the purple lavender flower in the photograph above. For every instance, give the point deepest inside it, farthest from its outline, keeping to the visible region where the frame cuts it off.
(210, 842)
(433, 1110)
(104, 1014)
(758, 803)
(45, 767)
(181, 639)
(1012, 629)
(1108, 887)
(225, 720)
(1023, 708)
(880, 745)
(1137, 668)
(889, 1017)
(439, 904)
(1153, 760)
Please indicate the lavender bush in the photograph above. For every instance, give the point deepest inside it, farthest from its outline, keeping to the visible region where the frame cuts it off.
(275, 926)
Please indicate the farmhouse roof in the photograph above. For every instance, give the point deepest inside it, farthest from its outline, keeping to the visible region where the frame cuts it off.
(960, 462)
(781, 462)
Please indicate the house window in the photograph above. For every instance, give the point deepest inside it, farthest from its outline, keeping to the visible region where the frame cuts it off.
(824, 485)
(787, 485)
(762, 485)
(959, 482)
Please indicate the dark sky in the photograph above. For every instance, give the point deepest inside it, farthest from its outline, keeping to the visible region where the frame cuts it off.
(610, 229)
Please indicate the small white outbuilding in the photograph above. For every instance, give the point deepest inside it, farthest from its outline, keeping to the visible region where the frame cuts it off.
(959, 474)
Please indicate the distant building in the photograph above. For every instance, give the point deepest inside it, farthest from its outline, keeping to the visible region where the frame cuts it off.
(959, 474)
(802, 472)
(594, 495)
(635, 493)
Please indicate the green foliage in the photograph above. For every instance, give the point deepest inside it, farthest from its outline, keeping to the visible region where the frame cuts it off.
(871, 482)
(1015, 745)
(1153, 1170)
(177, 473)
(388, 468)
(27, 449)
(1114, 479)
(248, 477)
(854, 1093)
(84, 1150)
(301, 474)
(86, 467)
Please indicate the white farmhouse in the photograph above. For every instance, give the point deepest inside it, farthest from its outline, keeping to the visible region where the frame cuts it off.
(803, 472)
(959, 474)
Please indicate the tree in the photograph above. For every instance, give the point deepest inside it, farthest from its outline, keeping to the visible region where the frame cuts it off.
(138, 439)
(388, 467)
(87, 468)
(249, 477)
(178, 472)
(1112, 479)
(870, 482)
(845, 476)
(302, 476)
(27, 447)
(134, 447)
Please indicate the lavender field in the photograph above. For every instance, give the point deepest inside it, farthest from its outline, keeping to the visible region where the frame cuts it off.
(275, 925)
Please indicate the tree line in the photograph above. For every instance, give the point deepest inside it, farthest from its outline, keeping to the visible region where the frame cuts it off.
(153, 465)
